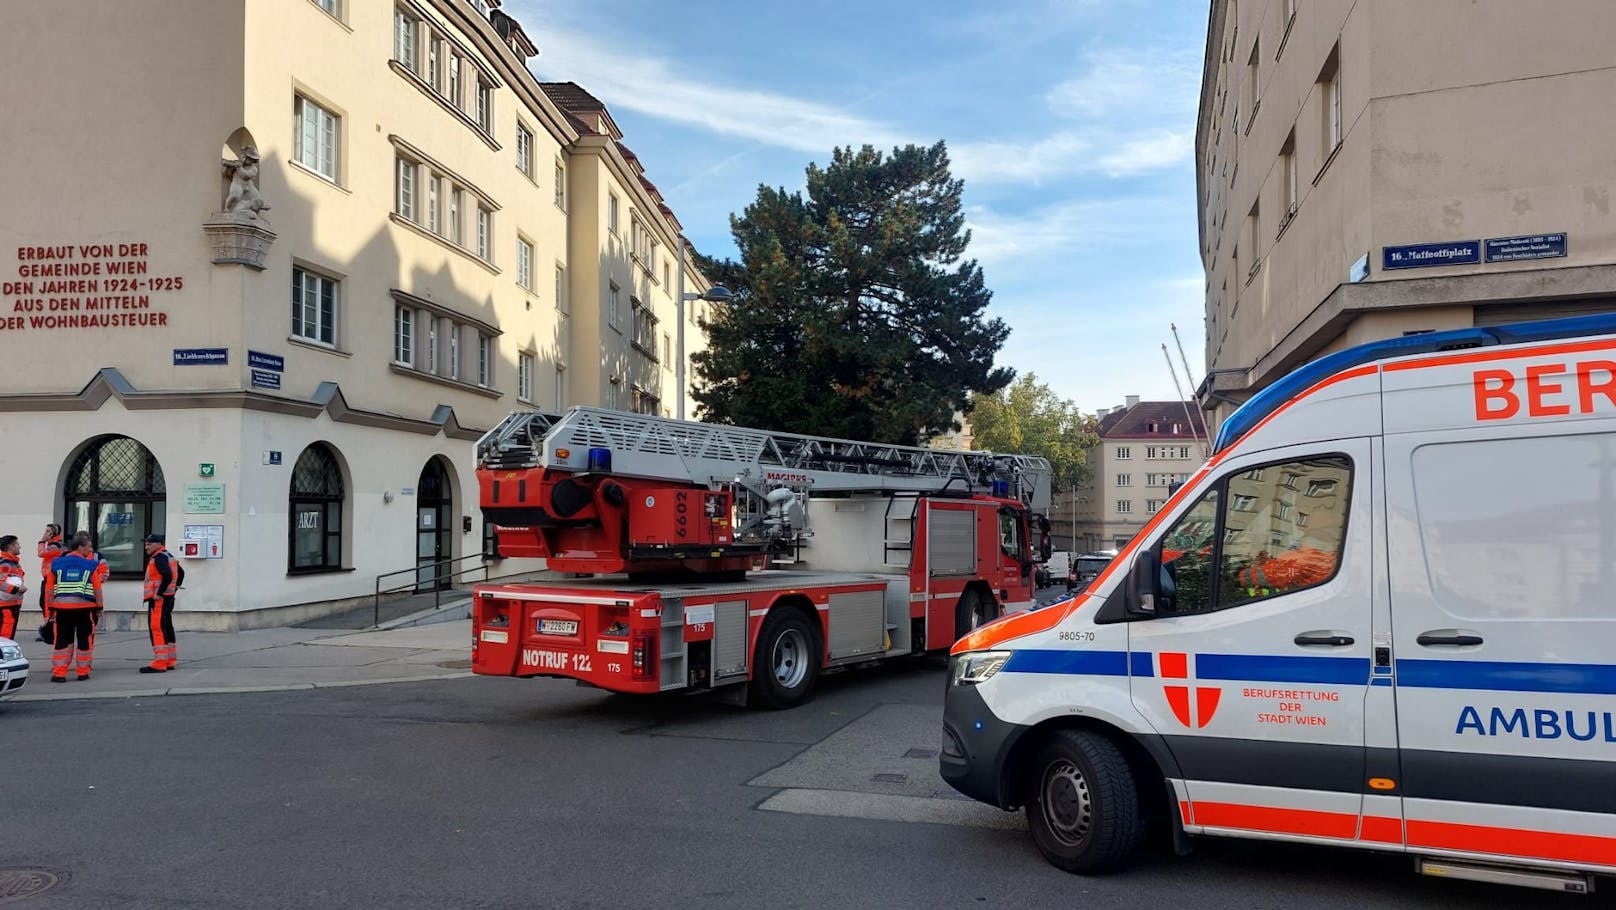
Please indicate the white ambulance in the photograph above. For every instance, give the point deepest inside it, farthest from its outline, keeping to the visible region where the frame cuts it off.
(1382, 616)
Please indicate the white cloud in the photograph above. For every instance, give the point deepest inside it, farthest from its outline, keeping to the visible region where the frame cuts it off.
(998, 238)
(1130, 84)
(1154, 151)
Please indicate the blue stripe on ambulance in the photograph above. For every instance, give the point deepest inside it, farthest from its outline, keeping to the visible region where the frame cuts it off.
(1508, 676)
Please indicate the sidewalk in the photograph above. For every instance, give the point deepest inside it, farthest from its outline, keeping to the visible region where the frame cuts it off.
(262, 660)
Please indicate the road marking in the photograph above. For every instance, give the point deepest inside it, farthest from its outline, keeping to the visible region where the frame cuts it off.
(890, 808)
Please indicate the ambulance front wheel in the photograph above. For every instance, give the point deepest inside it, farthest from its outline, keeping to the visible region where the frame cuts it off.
(1082, 805)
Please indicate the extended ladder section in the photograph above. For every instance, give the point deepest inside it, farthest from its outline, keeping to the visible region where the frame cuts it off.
(713, 455)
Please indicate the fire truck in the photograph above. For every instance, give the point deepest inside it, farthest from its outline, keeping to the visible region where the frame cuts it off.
(698, 556)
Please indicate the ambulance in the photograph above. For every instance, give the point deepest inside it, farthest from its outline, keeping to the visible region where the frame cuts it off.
(1382, 616)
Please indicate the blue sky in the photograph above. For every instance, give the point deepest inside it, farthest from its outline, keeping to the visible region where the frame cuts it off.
(1071, 121)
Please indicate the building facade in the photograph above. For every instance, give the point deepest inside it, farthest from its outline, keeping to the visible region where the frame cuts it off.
(328, 244)
(1145, 449)
(1377, 168)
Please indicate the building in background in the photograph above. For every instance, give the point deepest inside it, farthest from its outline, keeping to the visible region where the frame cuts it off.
(271, 268)
(1363, 174)
(1145, 448)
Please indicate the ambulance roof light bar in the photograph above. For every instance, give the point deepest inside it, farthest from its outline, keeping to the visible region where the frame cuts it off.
(1308, 375)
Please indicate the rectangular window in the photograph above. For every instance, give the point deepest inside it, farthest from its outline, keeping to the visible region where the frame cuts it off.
(1183, 451)
(454, 351)
(1253, 90)
(1152, 506)
(431, 365)
(524, 150)
(1124, 453)
(316, 138)
(560, 186)
(615, 398)
(484, 228)
(404, 335)
(561, 289)
(434, 73)
(524, 378)
(665, 273)
(1124, 480)
(1330, 97)
(667, 349)
(405, 205)
(644, 327)
(314, 307)
(485, 106)
(432, 223)
(485, 361)
(1287, 161)
(612, 295)
(1150, 452)
(455, 97)
(456, 222)
(1124, 506)
(404, 39)
(611, 212)
(560, 388)
(331, 6)
(524, 263)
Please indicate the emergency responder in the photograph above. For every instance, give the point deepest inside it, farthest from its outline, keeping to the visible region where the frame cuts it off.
(50, 546)
(164, 575)
(73, 590)
(12, 587)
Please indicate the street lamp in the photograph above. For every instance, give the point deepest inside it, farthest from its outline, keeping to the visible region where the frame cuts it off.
(714, 294)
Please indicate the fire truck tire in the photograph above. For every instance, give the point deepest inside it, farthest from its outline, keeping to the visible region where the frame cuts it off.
(786, 663)
(973, 610)
(1082, 805)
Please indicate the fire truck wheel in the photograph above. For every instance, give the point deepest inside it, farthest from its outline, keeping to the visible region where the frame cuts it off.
(787, 660)
(1082, 807)
(973, 610)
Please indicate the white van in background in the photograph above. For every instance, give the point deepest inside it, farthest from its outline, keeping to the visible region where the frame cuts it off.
(1380, 617)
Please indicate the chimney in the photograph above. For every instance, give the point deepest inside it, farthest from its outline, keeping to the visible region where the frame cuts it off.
(1132, 400)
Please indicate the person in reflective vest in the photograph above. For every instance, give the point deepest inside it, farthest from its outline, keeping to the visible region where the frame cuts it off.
(12, 587)
(50, 546)
(1288, 571)
(73, 590)
(163, 577)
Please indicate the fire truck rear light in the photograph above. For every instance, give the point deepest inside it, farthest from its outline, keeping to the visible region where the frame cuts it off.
(644, 656)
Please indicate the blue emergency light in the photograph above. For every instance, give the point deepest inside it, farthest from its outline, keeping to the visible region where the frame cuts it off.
(600, 461)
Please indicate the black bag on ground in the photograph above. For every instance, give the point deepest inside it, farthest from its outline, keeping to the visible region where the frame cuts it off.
(47, 632)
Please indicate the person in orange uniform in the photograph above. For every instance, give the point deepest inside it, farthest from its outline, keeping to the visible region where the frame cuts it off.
(50, 546)
(163, 577)
(12, 587)
(73, 590)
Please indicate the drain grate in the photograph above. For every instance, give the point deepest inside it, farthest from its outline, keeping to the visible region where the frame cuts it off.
(890, 778)
(17, 884)
(920, 753)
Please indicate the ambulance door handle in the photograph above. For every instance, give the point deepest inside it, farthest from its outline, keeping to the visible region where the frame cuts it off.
(1325, 639)
(1459, 637)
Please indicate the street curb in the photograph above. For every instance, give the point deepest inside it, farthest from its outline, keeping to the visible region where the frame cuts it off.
(231, 690)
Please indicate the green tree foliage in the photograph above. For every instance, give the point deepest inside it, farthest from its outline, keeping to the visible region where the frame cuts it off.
(856, 314)
(1028, 419)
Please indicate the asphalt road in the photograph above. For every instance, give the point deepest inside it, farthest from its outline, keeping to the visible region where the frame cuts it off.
(536, 793)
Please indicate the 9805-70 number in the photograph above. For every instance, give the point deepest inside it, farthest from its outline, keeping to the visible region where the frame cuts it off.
(1077, 636)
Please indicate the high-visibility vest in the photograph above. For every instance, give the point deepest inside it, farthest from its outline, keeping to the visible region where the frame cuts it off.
(154, 576)
(10, 567)
(74, 581)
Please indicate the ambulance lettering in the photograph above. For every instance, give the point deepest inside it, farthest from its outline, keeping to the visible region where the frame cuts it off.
(1537, 723)
(1206, 698)
(1551, 390)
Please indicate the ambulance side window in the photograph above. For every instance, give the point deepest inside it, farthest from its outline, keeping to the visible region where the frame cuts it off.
(1186, 558)
(1283, 529)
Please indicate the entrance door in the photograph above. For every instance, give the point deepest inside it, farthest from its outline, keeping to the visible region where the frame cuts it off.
(434, 510)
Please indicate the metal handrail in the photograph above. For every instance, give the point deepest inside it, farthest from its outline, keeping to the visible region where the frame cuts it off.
(437, 587)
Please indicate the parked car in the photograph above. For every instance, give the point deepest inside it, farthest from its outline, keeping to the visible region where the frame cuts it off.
(1085, 568)
(1056, 566)
(13, 668)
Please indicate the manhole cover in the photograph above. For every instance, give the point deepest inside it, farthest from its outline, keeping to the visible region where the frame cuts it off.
(920, 753)
(16, 884)
(890, 778)
(455, 664)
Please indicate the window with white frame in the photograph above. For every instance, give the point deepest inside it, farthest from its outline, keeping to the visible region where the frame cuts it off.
(1124, 480)
(611, 212)
(1330, 95)
(434, 73)
(561, 289)
(404, 204)
(485, 361)
(1150, 452)
(644, 327)
(524, 378)
(405, 28)
(455, 97)
(485, 105)
(612, 295)
(1124, 506)
(667, 349)
(334, 7)
(454, 350)
(1183, 451)
(666, 271)
(433, 221)
(316, 138)
(457, 222)
(1287, 161)
(560, 388)
(1124, 453)
(561, 186)
(1152, 506)
(644, 402)
(314, 307)
(615, 394)
(524, 150)
(484, 230)
(524, 262)
(431, 365)
(403, 335)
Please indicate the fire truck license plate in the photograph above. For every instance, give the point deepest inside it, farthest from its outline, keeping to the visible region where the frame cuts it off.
(558, 627)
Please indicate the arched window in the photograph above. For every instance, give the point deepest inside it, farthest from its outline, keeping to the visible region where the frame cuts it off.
(315, 516)
(115, 490)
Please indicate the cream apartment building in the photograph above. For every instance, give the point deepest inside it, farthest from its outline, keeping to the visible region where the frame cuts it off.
(270, 268)
(1373, 168)
(1145, 448)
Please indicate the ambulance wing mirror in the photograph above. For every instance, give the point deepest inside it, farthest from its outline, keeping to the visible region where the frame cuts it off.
(1143, 584)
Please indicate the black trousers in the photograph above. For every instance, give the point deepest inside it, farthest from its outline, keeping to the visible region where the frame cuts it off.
(74, 624)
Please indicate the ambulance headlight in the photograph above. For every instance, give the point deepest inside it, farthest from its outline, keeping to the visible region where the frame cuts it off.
(974, 667)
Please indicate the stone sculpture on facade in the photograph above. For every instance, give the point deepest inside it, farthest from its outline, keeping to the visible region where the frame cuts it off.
(240, 233)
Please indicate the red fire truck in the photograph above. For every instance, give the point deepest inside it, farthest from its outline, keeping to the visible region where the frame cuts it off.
(710, 556)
